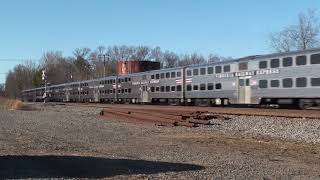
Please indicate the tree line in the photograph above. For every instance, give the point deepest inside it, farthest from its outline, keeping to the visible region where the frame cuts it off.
(89, 64)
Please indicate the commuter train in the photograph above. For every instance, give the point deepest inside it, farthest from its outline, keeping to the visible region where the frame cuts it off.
(291, 78)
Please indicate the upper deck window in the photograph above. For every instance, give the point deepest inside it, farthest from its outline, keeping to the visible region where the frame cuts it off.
(263, 64)
(157, 76)
(195, 72)
(315, 59)
(263, 84)
(218, 69)
(202, 71)
(210, 70)
(287, 61)
(173, 74)
(274, 63)
(189, 72)
(162, 75)
(178, 74)
(243, 66)
(274, 83)
(152, 76)
(226, 68)
(167, 75)
(301, 60)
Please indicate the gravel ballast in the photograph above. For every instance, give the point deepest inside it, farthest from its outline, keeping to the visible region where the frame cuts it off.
(69, 141)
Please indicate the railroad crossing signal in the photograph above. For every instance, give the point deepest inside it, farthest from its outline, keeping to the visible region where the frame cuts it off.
(43, 74)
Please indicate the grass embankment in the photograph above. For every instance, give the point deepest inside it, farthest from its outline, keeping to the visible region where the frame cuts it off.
(11, 104)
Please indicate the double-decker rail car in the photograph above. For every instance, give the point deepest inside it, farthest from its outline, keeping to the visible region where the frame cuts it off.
(291, 78)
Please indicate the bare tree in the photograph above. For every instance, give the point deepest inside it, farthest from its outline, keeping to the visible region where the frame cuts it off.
(2, 90)
(170, 59)
(83, 68)
(216, 58)
(303, 35)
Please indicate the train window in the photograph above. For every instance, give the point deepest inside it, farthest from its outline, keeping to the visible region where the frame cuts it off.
(167, 75)
(173, 74)
(167, 88)
(129, 79)
(157, 76)
(263, 64)
(129, 90)
(162, 88)
(114, 91)
(119, 80)
(152, 76)
(178, 74)
(218, 86)
(218, 69)
(202, 87)
(179, 88)
(152, 89)
(189, 73)
(126, 79)
(301, 82)
(195, 72)
(210, 70)
(301, 60)
(119, 91)
(274, 83)
(210, 86)
(263, 83)
(241, 82)
(114, 81)
(189, 87)
(195, 87)
(162, 75)
(125, 90)
(274, 63)
(243, 66)
(287, 83)
(157, 89)
(122, 91)
(202, 71)
(315, 81)
(315, 59)
(286, 62)
(173, 88)
(226, 68)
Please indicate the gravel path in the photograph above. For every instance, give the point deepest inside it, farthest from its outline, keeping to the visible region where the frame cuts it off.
(74, 142)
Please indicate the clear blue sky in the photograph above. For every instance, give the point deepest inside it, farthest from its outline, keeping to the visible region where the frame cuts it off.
(229, 27)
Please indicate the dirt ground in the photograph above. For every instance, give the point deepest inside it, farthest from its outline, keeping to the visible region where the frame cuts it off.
(67, 141)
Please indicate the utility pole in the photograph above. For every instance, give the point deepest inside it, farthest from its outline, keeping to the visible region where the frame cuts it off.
(104, 63)
(44, 78)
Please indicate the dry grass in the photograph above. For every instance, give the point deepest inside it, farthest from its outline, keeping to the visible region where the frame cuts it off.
(12, 104)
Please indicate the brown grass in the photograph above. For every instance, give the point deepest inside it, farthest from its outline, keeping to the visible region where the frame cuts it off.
(11, 104)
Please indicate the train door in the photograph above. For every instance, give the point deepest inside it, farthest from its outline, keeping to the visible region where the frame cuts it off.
(144, 94)
(67, 96)
(244, 96)
(96, 95)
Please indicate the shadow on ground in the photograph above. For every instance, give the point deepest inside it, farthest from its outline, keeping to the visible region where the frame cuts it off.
(22, 167)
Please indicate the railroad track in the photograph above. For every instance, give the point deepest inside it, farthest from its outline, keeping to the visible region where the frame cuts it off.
(166, 111)
(194, 116)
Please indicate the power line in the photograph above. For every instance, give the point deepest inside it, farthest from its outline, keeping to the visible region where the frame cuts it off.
(17, 60)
